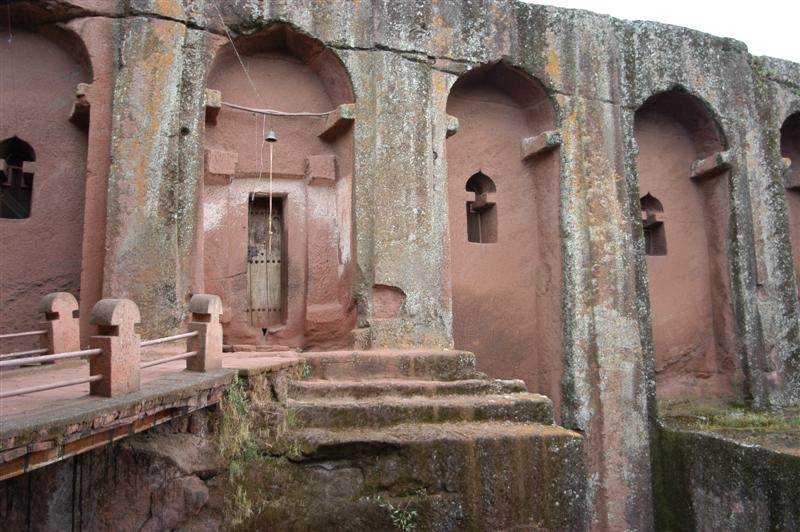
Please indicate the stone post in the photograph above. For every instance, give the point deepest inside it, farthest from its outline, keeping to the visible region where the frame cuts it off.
(206, 310)
(116, 320)
(63, 329)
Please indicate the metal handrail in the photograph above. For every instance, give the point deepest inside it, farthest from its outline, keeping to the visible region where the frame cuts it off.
(43, 387)
(46, 358)
(166, 339)
(24, 353)
(164, 360)
(21, 334)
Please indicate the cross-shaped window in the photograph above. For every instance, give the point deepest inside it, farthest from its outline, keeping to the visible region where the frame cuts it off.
(16, 185)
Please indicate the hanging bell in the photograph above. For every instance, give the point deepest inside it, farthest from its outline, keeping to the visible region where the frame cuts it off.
(271, 137)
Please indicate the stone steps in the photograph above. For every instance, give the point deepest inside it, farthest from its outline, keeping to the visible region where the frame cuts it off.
(368, 431)
(406, 365)
(325, 389)
(455, 476)
(314, 443)
(392, 410)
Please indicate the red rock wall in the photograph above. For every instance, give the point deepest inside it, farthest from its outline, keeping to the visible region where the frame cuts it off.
(506, 294)
(42, 253)
(314, 187)
(693, 334)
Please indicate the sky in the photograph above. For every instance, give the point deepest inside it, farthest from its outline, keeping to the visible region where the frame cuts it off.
(768, 27)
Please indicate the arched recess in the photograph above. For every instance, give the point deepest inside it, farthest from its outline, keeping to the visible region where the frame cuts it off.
(299, 291)
(684, 184)
(790, 151)
(503, 165)
(43, 166)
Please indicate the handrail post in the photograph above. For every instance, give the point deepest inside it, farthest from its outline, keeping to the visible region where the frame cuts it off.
(116, 320)
(62, 324)
(206, 310)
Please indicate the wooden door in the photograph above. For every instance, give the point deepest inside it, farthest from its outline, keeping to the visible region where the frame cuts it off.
(264, 263)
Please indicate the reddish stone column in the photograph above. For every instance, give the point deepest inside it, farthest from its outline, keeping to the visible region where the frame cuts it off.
(206, 310)
(63, 329)
(116, 320)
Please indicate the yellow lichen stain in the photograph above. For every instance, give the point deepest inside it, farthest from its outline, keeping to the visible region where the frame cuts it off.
(439, 84)
(170, 8)
(553, 68)
(159, 47)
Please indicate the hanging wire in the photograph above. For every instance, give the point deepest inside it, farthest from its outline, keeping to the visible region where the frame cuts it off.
(270, 139)
(235, 51)
(12, 69)
(8, 18)
(269, 235)
(274, 112)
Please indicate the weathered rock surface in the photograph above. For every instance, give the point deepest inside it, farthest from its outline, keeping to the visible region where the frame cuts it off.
(464, 454)
(154, 481)
(707, 481)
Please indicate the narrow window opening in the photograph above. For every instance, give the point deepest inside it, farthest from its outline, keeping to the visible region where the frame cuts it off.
(655, 237)
(481, 213)
(16, 185)
(266, 263)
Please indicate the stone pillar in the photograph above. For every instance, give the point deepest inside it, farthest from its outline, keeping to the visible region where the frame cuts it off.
(97, 34)
(605, 372)
(152, 203)
(118, 364)
(400, 203)
(206, 311)
(63, 330)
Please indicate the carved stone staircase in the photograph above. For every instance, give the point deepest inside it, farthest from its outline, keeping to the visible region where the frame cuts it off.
(418, 432)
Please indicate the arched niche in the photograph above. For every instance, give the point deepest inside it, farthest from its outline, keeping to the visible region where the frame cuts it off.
(43, 162)
(684, 180)
(790, 151)
(294, 288)
(502, 165)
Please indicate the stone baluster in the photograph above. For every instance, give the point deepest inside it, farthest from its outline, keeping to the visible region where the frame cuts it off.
(206, 310)
(62, 324)
(116, 320)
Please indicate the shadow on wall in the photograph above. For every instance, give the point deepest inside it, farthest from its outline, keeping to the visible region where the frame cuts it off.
(790, 151)
(684, 188)
(503, 186)
(279, 251)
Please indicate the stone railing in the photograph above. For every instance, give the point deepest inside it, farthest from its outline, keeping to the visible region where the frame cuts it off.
(59, 333)
(115, 354)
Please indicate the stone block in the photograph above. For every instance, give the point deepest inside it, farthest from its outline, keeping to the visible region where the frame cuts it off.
(452, 126)
(545, 141)
(118, 364)
(206, 311)
(337, 122)
(321, 170)
(711, 165)
(63, 329)
(213, 105)
(220, 166)
(81, 107)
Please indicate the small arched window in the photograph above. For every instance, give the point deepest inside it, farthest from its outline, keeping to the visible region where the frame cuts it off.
(16, 185)
(655, 238)
(481, 213)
